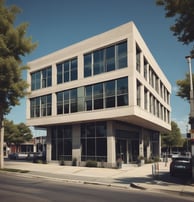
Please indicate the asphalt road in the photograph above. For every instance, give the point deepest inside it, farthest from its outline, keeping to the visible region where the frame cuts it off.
(19, 189)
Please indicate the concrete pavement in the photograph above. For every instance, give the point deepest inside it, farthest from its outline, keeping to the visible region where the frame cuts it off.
(129, 176)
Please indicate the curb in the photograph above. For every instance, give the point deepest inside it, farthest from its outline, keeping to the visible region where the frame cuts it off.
(120, 186)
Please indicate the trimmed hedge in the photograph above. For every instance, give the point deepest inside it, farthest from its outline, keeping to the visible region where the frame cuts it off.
(91, 163)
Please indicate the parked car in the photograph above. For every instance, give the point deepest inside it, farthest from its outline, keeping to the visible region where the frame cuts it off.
(18, 156)
(181, 165)
(175, 154)
(36, 156)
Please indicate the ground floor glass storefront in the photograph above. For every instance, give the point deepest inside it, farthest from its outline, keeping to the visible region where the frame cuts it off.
(104, 141)
(61, 137)
(94, 141)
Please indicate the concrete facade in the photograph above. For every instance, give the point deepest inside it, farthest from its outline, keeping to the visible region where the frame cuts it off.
(129, 127)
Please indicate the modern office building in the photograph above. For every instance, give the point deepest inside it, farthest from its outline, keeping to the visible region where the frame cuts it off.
(100, 99)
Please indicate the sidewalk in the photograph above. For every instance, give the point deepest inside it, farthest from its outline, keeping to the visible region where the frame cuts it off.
(129, 176)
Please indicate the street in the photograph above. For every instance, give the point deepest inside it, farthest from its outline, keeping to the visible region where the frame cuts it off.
(17, 189)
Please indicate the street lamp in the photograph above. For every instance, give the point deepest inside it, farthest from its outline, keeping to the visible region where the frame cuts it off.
(191, 118)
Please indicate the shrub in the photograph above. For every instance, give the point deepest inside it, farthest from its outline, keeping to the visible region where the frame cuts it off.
(91, 163)
(74, 162)
(156, 159)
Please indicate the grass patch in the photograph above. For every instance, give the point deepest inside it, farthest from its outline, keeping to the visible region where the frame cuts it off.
(14, 170)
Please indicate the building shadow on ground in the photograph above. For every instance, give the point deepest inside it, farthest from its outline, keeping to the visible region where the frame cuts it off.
(164, 179)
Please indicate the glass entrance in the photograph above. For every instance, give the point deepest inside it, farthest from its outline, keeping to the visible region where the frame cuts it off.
(121, 150)
(127, 146)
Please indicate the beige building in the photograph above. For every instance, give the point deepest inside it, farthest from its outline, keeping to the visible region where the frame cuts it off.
(100, 99)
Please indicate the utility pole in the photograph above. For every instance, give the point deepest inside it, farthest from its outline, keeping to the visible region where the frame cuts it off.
(191, 118)
(1, 146)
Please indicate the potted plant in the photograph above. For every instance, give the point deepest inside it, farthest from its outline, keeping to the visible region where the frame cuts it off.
(141, 160)
(61, 161)
(74, 162)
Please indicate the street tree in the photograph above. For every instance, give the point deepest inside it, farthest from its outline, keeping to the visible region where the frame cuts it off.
(184, 87)
(173, 138)
(14, 44)
(16, 133)
(183, 13)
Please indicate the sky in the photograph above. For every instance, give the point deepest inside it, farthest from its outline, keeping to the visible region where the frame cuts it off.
(56, 24)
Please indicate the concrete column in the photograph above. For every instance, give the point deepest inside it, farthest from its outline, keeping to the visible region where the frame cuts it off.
(34, 145)
(54, 82)
(141, 143)
(159, 145)
(142, 96)
(54, 74)
(127, 148)
(80, 66)
(141, 64)
(148, 149)
(54, 104)
(76, 143)
(111, 145)
(48, 145)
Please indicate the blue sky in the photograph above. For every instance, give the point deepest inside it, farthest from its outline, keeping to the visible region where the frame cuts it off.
(56, 24)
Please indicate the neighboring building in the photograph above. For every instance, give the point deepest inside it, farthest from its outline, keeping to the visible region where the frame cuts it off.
(100, 99)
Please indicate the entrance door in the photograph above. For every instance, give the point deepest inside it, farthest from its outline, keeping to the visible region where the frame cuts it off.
(135, 149)
(121, 149)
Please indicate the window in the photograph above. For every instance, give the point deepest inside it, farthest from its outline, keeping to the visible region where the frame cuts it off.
(138, 93)
(61, 140)
(99, 61)
(88, 98)
(59, 73)
(110, 58)
(67, 71)
(110, 94)
(60, 103)
(94, 141)
(41, 79)
(145, 99)
(145, 69)
(105, 59)
(41, 106)
(87, 65)
(73, 97)
(73, 68)
(35, 77)
(67, 101)
(122, 91)
(122, 55)
(93, 97)
(138, 59)
(98, 96)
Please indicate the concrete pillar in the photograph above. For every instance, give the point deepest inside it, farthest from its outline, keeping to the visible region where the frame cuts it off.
(148, 149)
(76, 143)
(48, 145)
(141, 143)
(141, 64)
(159, 145)
(127, 152)
(34, 145)
(111, 145)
